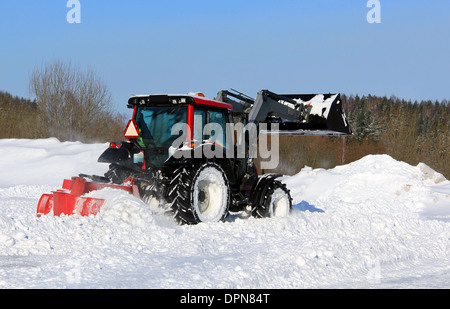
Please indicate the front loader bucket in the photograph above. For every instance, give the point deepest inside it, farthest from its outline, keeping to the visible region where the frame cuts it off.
(325, 115)
(70, 200)
(299, 114)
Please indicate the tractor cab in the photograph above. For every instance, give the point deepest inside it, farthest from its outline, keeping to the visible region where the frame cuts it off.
(161, 124)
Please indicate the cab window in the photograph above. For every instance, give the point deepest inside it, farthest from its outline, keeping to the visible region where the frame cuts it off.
(217, 130)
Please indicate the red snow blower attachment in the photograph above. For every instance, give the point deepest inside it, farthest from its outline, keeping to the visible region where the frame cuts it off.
(71, 200)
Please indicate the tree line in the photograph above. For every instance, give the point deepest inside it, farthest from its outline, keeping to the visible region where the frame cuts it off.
(410, 131)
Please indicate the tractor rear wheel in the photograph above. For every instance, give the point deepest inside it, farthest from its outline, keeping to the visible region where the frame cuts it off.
(199, 193)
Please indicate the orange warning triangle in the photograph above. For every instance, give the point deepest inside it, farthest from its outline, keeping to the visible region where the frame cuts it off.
(131, 131)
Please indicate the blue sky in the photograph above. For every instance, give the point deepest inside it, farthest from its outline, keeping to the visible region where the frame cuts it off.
(293, 46)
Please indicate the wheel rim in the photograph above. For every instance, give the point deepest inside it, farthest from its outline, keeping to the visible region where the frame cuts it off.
(279, 204)
(206, 188)
(210, 195)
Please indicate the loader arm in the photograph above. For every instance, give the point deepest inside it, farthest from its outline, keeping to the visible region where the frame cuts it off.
(268, 103)
(245, 102)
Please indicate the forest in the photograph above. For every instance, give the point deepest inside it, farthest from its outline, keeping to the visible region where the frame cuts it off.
(22, 118)
(408, 131)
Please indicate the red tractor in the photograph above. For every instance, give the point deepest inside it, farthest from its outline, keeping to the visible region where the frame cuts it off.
(194, 156)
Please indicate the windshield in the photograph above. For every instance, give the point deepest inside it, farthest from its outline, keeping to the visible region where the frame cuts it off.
(155, 124)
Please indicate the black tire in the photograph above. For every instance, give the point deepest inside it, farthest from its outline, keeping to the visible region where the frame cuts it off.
(199, 193)
(152, 193)
(276, 202)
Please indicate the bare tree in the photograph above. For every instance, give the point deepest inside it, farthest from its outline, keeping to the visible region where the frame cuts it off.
(71, 101)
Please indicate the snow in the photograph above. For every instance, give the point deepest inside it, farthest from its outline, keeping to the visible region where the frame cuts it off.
(374, 223)
(319, 105)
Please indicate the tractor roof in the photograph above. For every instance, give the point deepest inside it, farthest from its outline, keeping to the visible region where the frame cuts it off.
(173, 99)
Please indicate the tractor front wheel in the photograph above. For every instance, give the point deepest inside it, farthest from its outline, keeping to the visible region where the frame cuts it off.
(276, 201)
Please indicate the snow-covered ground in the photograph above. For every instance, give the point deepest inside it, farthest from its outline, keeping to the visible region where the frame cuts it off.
(375, 223)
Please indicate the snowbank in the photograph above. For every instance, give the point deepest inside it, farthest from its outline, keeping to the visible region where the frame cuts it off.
(376, 222)
(46, 161)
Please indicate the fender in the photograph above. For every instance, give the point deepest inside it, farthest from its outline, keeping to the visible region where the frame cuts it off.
(119, 153)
